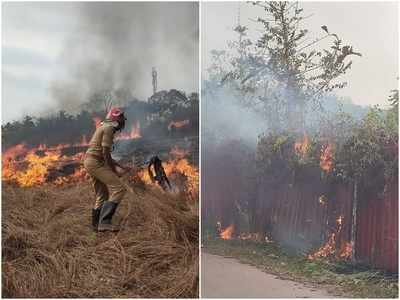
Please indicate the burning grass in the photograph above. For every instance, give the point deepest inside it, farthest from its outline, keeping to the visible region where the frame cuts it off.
(329, 249)
(49, 249)
(341, 279)
(226, 234)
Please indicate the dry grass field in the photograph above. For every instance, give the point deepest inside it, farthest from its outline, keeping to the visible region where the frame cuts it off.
(50, 250)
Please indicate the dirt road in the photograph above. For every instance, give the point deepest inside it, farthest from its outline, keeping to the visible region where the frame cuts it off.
(227, 278)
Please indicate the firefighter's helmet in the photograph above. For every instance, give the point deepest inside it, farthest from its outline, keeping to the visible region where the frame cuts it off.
(117, 115)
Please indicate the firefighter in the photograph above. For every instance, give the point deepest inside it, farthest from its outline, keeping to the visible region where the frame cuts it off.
(108, 188)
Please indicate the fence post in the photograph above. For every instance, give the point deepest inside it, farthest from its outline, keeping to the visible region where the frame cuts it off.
(354, 222)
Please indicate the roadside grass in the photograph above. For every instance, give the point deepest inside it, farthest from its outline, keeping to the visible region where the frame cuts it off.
(341, 279)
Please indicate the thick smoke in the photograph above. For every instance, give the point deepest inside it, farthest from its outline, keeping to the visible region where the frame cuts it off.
(225, 119)
(117, 44)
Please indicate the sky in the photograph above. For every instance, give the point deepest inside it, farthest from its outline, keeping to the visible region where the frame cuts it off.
(371, 27)
(54, 54)
(51, 49)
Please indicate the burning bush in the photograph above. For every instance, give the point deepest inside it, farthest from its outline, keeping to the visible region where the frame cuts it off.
(312, 193)
(368, 151)
(279, 157)
(364, 161)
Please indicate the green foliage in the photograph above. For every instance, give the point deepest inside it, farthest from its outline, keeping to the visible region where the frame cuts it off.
(169, 104)
(336, 127)
(357, 281)
(51, 130)
(162, 108)
(370, 155)
(280, 157)
(281, 71)
(305, 68)
(392, 118)
(366, 152)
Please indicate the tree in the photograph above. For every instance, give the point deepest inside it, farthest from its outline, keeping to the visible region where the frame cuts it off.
(283, 69)
(102, 101)
(392, 120)
(167, 103)
(394, 99)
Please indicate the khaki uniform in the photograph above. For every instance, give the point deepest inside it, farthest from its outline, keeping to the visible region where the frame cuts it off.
(107, 185)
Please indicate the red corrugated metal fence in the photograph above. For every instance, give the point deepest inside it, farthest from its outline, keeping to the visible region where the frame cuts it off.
(377, 229)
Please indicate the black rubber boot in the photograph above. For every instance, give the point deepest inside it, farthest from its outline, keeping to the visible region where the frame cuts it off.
(107, 211)
(95, 217)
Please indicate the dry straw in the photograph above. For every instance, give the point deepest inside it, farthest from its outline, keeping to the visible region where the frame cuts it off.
(49, 249)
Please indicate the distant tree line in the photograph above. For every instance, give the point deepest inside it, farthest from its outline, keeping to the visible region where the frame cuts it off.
(63, 127)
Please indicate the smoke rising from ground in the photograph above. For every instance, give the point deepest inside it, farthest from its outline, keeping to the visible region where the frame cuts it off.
(117, 44)
(226, 119)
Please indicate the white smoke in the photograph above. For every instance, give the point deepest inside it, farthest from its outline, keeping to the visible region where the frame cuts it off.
(225, 118)
(117, 45)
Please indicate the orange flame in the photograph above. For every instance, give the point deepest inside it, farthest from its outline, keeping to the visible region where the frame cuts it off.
(226, 234)
(339, 221)
(133, 134)
(174, 169)
(303, 146)
(78, 175)
(326, 159)
(178, 124)
(346, 250)
(329, 248)
(8, 160)
(37, 169)
(27, 168)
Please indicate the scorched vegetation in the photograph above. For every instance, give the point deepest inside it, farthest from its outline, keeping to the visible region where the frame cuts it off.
(49, 247)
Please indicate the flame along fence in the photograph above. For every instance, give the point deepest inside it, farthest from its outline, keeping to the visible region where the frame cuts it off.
(307, 214)
(304, 216)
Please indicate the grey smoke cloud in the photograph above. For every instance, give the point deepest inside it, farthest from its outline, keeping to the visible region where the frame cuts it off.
(119, 43)
(56, 53)
(225, 118)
